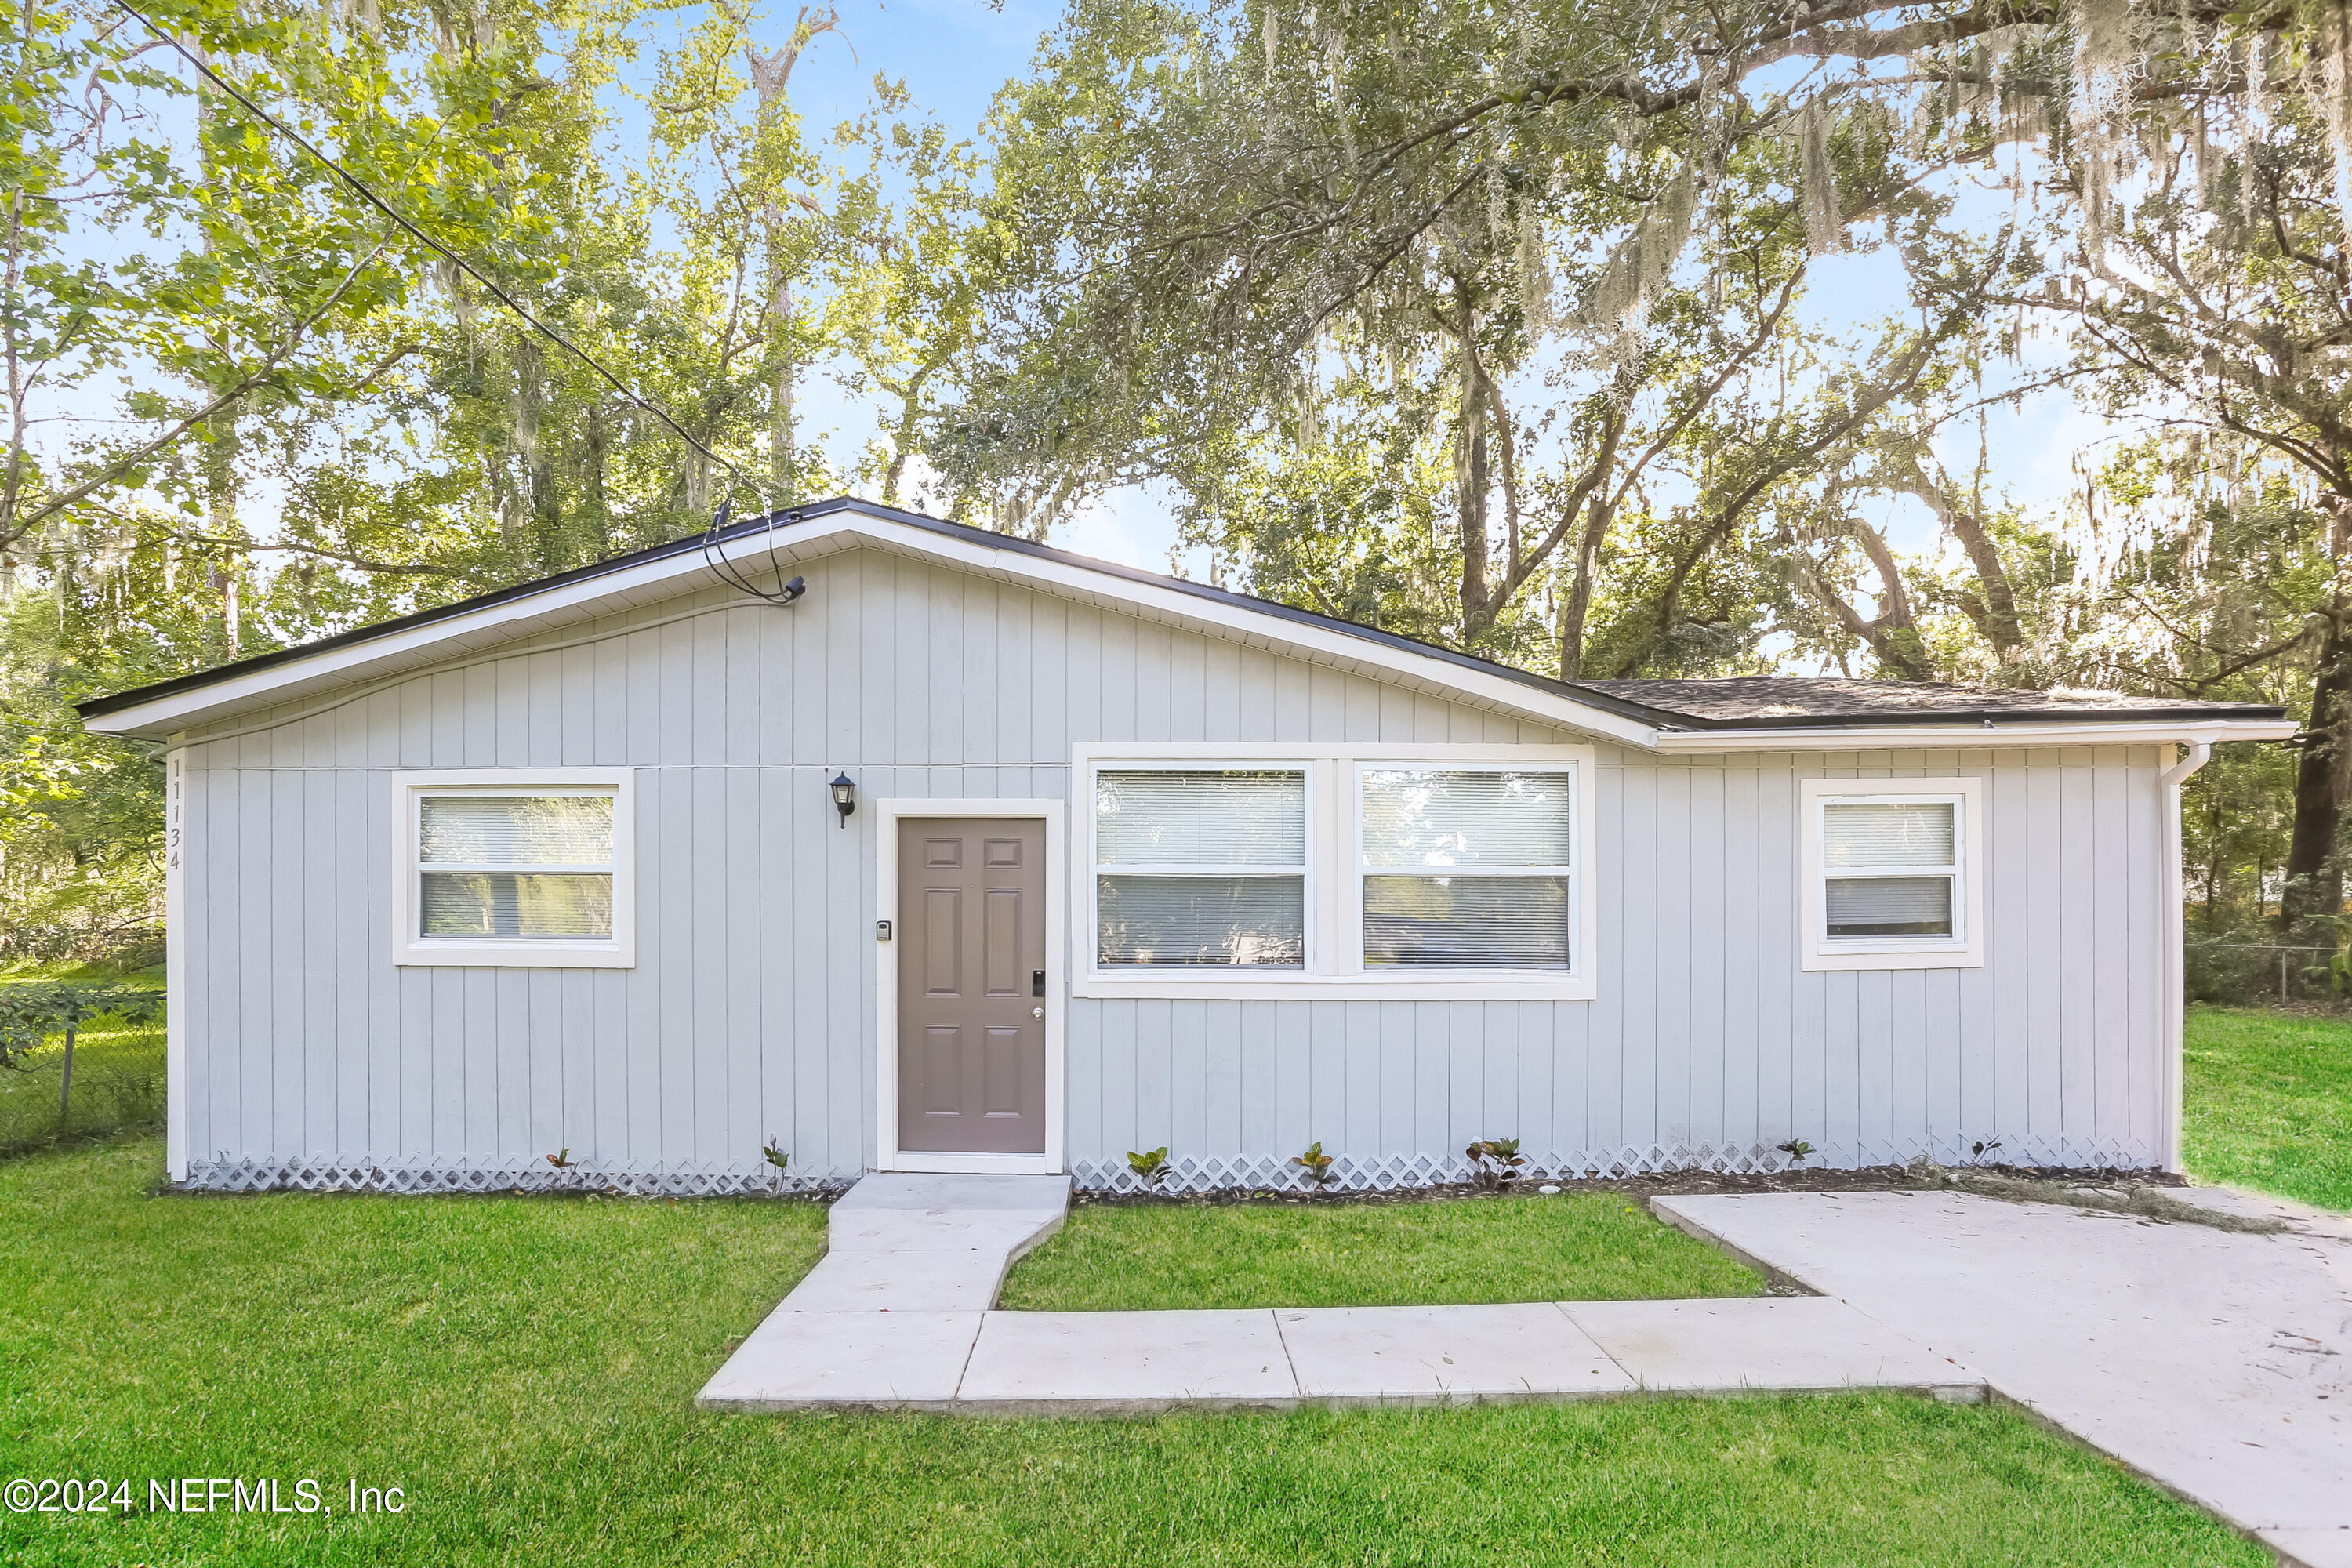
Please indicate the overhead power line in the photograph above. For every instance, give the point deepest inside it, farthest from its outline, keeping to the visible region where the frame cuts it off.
(360, 188)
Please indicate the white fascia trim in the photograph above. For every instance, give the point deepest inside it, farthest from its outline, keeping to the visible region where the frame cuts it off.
(1919, 737)
(410, 950)
(889, 812)
(1965, 952)
(830, 535)
(1334, 889)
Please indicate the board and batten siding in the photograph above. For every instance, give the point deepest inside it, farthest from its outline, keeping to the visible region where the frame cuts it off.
(750, 1014)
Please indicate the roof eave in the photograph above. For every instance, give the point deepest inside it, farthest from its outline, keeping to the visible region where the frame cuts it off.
(173, 708)
(1979, 734)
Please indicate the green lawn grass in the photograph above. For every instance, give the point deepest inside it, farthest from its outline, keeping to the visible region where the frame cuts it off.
(2268, 1103)
(523, 1368)
(1587, 1248)
(117, 1072)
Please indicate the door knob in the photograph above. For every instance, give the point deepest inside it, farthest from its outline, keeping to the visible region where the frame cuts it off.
(1037, 1012)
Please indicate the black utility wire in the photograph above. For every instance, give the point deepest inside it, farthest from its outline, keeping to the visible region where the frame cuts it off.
(360, 188)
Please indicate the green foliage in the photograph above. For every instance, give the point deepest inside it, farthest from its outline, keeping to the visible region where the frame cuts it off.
(32, 1014)
(1495, 1161)
(1151, 1166)
(1315, 1163)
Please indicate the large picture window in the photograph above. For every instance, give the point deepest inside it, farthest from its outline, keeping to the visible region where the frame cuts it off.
(1468, 868)
(1335, 870)
(519, 869)
(1201, 868)
(1891, 867)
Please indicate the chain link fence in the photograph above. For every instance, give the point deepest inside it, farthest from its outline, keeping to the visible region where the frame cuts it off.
(2231, 970)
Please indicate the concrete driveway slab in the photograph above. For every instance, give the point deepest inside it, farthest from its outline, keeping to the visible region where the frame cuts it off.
(1127, 1363)
(1443, 1355)
(2216, 1362)
(820, 1361)
(1806, 1343)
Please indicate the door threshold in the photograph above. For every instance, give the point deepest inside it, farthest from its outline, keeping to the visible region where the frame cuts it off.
(949, 1164)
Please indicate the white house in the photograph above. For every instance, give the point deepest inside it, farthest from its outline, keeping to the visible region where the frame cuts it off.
(982, 856)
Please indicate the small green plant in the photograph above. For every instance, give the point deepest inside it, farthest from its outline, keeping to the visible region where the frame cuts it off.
(564, 1164)
(1797, 1149)
(1152, 1167)
(1315, 1162)
(1495, 1162)
(772, 1151)
(1981, 1149)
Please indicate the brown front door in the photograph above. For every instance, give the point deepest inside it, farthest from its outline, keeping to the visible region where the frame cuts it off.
(972, 984)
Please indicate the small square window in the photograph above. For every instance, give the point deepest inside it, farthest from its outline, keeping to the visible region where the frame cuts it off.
(1889, 875)
(516, 869)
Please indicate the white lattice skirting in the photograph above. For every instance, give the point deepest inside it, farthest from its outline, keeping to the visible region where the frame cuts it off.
(517, 1173)
(1187, 1173)
(1389, 1172)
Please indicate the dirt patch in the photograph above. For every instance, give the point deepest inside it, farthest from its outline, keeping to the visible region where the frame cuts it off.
(2132, 1192)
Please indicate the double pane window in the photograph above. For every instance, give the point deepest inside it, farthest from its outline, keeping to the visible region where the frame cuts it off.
(1468, 869)
(515, 865)
(1201, 868)
(1891, 870)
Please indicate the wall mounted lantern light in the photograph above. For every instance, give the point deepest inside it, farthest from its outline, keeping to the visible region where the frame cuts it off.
(845, 797)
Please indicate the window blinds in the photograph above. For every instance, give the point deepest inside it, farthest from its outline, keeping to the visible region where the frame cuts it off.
(566, 830)
(521, 865)
(1901, 858)
(1888, 833)
(1515, 830)
(1219, 868)
(1426, 818)
(1201, 818)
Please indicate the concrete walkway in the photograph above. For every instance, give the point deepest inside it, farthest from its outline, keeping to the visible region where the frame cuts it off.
(895, 1316)
(2218, 1364)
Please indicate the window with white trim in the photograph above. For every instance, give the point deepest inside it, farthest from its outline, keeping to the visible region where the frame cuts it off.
(1200, 869)
(1892, 882)
(1334, 871)
(1467, 868)
(516, 869)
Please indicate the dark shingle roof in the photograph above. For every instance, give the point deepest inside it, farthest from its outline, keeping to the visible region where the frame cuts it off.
(1800, 701)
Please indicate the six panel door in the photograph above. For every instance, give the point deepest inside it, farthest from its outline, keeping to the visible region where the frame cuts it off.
(971, 985)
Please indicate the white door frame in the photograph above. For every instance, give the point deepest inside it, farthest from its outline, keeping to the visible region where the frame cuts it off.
(888, 814)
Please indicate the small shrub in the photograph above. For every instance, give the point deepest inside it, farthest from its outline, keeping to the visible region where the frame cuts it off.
(1315, 1162)
(1495, 1161)
(1797, 1149)
(1152, 1167)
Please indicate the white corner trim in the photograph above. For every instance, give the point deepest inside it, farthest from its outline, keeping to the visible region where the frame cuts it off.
(1965, 950)
(176, 963)
(1335, 969)
(2172, 999)
(1941, 737)
(412, 951)
(889, 812)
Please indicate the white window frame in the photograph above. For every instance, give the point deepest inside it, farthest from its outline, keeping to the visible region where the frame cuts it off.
(1334, 966)
(1964, 949)
(1579, 918)
(411, 949)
